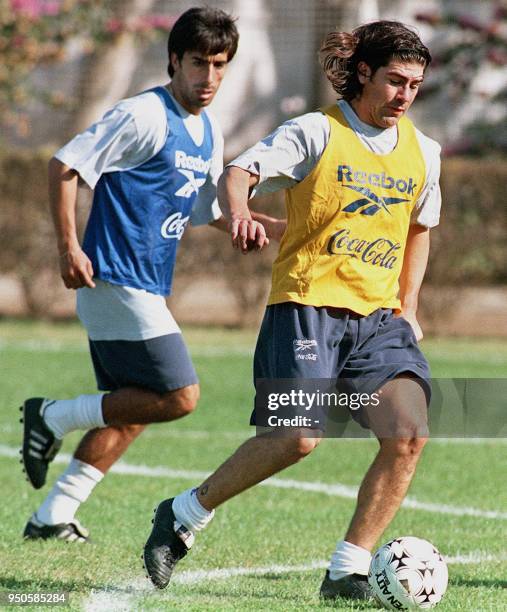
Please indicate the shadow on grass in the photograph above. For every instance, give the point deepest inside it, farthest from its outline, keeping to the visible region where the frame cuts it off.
(260, 594)
(10, 583)
(478, 582)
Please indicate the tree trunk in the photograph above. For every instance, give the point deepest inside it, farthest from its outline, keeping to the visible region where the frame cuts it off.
(107, 72)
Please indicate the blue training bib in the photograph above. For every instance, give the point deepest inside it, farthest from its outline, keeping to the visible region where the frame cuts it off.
(139, 215)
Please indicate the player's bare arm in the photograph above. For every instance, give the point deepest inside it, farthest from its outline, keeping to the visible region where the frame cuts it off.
(75, 267)
(233, 191)
(412, 274)
(274, 227)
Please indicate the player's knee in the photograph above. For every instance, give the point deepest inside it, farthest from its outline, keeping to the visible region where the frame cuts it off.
(301, 446)
(131, 431)
(181, 402)
(417, 444)
(410, 448)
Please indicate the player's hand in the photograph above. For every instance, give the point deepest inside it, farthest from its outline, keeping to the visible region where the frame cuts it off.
(414, 323)
(248, 235)
(76, 269)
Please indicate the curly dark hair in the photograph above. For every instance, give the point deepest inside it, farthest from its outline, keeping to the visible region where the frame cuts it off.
(205, 30)
(376, 44)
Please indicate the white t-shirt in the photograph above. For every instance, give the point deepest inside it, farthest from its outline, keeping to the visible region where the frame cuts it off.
(128, 135)
(290, 153)
(133, 132)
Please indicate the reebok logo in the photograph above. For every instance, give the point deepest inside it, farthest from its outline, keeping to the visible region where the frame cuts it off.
(303, 344)
(350, 175)
(187, 165)
(303, 349)
(371, 203)
(192, 185)
(187, 162)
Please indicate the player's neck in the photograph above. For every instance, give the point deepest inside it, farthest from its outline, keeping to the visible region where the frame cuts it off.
(173, 89)
(362, 113)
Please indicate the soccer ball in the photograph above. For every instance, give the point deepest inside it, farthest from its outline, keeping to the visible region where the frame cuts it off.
(408, 573)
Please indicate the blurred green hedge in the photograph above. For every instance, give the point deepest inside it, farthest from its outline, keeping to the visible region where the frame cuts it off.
(469, 247)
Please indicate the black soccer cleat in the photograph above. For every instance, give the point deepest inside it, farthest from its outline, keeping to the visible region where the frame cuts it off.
(168, 543)
(68, 532)
(39, 443)
(352, 586)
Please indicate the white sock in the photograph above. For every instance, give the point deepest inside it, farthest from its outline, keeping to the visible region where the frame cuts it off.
(349, 559)
(189, 512)
(83, 412)
(69, 491)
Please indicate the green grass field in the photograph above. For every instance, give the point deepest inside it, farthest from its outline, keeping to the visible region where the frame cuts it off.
(267, 548)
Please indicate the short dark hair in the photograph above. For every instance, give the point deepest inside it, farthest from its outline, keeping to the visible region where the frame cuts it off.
(205, 30)
(376, 44)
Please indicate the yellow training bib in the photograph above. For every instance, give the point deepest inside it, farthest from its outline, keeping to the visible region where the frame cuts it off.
(347, 223)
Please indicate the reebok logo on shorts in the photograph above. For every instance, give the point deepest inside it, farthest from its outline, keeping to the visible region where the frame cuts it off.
(303, 349)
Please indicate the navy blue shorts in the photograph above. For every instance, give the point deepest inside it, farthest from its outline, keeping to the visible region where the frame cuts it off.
(160, 364)
(364, 352)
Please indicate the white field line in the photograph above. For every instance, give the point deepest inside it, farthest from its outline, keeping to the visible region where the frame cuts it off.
(168, 432)
(333, 490)
(190, 577)
(126, 596)
(112, 600)
(243, 434)
(55, 346)
(44, 345)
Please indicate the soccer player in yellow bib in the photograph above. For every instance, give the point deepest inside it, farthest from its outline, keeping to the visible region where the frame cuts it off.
(362, 193)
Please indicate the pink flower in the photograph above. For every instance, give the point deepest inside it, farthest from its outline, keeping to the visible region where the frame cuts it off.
(161, 22)
(114, 26)
(36, 8)
(51, 8)
(152, 22)
(18, 41)
(30, 8)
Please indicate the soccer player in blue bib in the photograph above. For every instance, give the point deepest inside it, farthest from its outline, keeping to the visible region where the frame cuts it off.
(153, 162)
